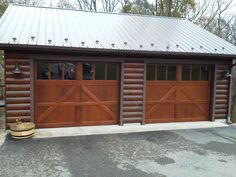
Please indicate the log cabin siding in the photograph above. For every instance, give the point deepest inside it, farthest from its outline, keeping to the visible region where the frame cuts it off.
(132, 93)
(20, 103)
(18, 91)
(221, 92)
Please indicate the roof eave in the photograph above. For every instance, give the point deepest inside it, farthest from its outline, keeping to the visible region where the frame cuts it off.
(110, 51)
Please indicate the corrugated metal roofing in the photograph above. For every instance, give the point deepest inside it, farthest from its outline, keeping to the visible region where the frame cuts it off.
(40, 26)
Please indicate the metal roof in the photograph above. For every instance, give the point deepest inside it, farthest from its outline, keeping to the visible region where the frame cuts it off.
(53, 27)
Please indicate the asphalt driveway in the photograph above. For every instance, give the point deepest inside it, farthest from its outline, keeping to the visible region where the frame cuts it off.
(180, 153)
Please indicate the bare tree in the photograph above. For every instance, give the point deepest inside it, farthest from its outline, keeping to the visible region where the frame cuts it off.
(4, 3)
(87, 5)
(65, 4)
(27, 2)
(222, 7)
(110, 5)
(232, 33)
(91, 5)
(209, 10)
(215, 16)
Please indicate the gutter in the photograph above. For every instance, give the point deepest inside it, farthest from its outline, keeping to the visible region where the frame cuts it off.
(96, 51)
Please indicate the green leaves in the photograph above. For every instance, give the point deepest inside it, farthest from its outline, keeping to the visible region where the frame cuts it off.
(138, 7)
(172, 8)
(3, 6)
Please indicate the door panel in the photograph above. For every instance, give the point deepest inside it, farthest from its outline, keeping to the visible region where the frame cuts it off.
(55, 103)
(99, 103)
(177, 100)
(75, 102)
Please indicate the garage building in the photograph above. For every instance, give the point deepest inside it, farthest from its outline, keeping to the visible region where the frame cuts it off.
(72, 68)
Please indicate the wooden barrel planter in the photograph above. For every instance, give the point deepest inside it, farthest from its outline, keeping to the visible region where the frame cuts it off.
(22, 130)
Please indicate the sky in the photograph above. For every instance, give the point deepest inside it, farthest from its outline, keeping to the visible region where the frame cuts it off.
(54, 4)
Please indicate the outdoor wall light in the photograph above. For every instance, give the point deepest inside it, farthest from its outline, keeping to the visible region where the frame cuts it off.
(17, 70)
(227, 73)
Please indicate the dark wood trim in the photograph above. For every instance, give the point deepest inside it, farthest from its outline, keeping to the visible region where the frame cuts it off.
(66, 55)
(105, 71)
(121, 92)
(32, 90)
(229, 101)
(94, 70)
(213, 92)
(79, 71)
(110, 52)
(35, 88)
(49, 71)
(5, 90)
(155, 71)
(144, 92)
(77, 58)
(183, 61)
(63, 74)
(178, 73)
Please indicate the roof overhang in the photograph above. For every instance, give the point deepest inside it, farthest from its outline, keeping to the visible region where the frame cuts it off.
(113, 52)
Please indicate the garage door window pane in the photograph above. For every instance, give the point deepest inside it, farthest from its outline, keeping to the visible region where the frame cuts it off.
(186, 73)
(88, 71)
(69, 71)
(151, 72)
(195, 73)
(171, 73)
(99, 71)
(56, 71)
(161, 72)
(111, 71)
(42, 71)
(204, 73)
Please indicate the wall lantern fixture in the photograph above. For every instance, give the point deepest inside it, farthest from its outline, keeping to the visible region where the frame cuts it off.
(17, 70)
(228, 72)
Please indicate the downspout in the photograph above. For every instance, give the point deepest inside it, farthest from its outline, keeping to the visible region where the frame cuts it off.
(228, 74)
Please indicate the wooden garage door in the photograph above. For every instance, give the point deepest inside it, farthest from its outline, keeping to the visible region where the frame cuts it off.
(177, 93)
(71, 94)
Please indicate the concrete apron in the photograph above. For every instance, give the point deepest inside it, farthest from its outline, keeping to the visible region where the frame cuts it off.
(113, 129)
(126, 128)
